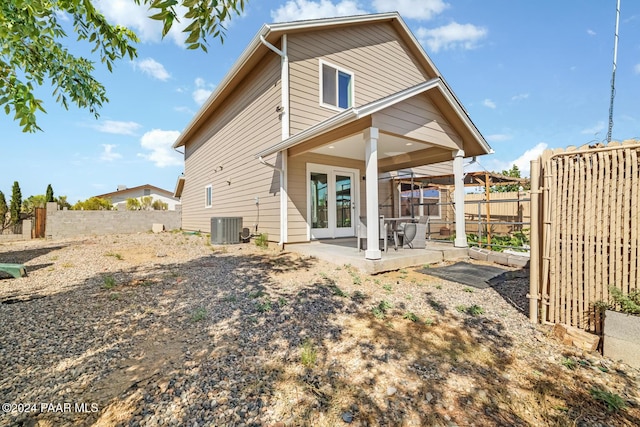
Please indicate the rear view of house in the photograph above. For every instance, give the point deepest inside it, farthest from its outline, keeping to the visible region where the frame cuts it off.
(298, 134)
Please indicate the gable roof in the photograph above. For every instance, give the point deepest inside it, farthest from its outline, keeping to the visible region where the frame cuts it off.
(271, 33)
(353, 114)
(140, 187)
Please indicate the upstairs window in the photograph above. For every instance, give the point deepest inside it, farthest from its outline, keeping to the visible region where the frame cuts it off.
(336, 86)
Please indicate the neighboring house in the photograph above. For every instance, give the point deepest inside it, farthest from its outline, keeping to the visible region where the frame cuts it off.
(123, 193)
(297, 135)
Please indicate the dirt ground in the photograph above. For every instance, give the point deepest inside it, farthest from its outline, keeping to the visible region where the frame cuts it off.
(169, 330)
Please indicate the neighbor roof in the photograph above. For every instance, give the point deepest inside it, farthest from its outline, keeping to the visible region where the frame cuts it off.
(140, 187)
(272, 33)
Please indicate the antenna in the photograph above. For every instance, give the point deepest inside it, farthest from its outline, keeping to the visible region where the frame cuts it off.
(613, 74)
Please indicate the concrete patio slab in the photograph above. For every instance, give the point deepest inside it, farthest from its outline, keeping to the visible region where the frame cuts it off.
(344, 251)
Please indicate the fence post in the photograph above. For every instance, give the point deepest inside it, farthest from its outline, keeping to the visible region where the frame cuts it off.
(534, 261)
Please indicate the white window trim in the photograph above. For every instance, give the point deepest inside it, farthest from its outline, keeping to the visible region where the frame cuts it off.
(322, 62)
(208, 190)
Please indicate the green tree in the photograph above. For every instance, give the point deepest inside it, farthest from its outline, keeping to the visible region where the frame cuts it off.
(514, 172)
(3, 212)
(146, 202)
(62, 202)
(159, 205)
(16, 203)
(133, 204)
(49, 195)
(30, 204)
(32, 48)
(93, 204)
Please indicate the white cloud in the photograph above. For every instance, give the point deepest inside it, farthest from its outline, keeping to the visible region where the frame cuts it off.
(489, 104)
(591, 32)
(108, 155)
(294, 10)
(498, 137)
(636, 69)
(594, 130)
(411, 9)
(118, 128)
(136, 17)
(451, 36)
(152, 68)
(202, 91)
(159, 143)
(523, 162)
(520, 97)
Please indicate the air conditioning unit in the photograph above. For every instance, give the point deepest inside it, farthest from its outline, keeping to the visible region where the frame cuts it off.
(225, 230)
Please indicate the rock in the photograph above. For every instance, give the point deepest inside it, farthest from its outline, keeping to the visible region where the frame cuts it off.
(428, 397)
(391, 391)
(347, 417)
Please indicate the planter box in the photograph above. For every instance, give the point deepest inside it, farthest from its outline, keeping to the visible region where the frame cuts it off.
(622, 337)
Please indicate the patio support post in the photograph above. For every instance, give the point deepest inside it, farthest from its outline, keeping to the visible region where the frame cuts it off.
(371, 187)
(458, 198)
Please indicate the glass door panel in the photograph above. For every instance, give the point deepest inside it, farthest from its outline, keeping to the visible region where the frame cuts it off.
(343, 201)
(319, 200)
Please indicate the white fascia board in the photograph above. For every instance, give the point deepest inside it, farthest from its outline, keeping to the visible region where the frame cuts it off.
(453, 101)
(340, 20)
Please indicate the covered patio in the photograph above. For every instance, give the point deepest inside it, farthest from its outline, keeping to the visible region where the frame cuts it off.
(409, 130)
(344, 251)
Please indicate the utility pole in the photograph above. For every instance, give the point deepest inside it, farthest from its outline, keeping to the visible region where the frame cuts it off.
(613, 75)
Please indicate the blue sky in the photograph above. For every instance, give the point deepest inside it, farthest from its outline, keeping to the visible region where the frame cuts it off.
(532, 75)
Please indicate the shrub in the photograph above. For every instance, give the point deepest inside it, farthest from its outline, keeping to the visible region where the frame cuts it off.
(629, 303)
(262, 240)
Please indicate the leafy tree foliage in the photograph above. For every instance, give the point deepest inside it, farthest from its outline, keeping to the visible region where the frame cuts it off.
(32, 49)
(133, 204)
(30, 204)
(93, 204)
(62, 202)
(16, 203)
(49, 195)
(514, 172)
(159, 205)
(4, 209)
(146, 202)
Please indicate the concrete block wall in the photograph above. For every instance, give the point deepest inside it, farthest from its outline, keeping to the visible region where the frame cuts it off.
(77, 223)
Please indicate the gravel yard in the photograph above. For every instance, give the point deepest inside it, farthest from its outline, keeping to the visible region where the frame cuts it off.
(168, 330)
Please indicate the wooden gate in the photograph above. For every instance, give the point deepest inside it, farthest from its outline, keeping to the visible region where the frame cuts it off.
(39, 223)
(585, 231)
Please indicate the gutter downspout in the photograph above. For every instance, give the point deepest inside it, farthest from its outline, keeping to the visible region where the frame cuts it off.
(285, 124)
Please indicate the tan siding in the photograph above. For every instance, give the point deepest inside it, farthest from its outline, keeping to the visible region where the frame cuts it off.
(418, 118)
(382, 65)
(298, 190)
(223, 151)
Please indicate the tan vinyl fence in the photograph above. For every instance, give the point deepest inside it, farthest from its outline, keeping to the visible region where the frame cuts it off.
(507, 212)
(585, 231)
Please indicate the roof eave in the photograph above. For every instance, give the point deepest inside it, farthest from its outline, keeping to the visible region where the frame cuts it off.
(353, 114)
(247, 54)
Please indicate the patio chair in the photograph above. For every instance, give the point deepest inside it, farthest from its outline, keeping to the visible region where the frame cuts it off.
(414, 234)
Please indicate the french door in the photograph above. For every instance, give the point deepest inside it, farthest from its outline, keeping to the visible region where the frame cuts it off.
(332, 194)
